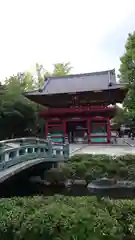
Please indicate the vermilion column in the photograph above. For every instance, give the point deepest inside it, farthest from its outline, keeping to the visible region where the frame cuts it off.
(108, 130)
(88, 126)
(64, 128)
(46, 128)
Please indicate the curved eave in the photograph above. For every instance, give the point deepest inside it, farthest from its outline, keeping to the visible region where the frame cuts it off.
(111, 95)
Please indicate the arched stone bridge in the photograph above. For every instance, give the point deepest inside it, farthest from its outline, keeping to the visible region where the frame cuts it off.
(19, 154)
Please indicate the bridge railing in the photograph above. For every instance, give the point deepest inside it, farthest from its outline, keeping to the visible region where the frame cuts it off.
(22, 141)
(15, 151)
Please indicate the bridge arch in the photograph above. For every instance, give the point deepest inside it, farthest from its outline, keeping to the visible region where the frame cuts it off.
(17, 155)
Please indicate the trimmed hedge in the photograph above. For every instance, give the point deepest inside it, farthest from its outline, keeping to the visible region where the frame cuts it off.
(90, 167)
(66, 218)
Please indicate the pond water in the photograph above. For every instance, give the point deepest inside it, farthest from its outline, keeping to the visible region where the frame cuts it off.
(20, 185)
(30, 189)
(26, 188)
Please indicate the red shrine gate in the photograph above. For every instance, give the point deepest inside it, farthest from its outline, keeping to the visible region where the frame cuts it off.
(78, 105)
(79, 123)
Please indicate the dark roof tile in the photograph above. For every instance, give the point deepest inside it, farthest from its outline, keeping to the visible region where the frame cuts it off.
(78, 83)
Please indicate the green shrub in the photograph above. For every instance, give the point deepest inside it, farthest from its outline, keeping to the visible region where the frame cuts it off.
(65, 218)
(90, 167)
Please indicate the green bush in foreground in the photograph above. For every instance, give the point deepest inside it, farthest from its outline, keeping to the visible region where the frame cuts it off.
(66, 218)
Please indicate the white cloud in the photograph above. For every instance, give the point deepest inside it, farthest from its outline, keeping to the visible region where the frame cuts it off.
(50, 31)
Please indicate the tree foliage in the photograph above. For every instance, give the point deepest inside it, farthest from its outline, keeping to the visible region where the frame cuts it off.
(18, 115)
(119, 118)
(127, 74)
(59, 69)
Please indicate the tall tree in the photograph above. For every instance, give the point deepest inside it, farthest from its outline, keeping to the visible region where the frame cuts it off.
(119, 117)
(18, 115)
(40, 75)
(16, 112)
(127, 74)
(59, 69)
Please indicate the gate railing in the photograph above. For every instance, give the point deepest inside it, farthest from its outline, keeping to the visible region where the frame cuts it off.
(14, 151)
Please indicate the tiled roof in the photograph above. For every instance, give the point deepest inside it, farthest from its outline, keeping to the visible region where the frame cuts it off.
(78, 83)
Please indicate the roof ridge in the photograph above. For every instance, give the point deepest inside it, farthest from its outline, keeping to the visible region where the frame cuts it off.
(82, 74)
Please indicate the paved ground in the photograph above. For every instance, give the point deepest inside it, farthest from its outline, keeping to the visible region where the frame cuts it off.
(125, 141)
(101, 149)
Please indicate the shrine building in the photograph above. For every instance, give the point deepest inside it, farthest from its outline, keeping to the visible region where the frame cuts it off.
(79, 106)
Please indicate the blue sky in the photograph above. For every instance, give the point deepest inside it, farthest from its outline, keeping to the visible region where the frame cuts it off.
(88, 33)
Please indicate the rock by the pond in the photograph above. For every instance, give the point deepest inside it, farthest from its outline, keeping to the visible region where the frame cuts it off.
(77, 187)
(112, 188)
(68, 183)
(75, 182)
